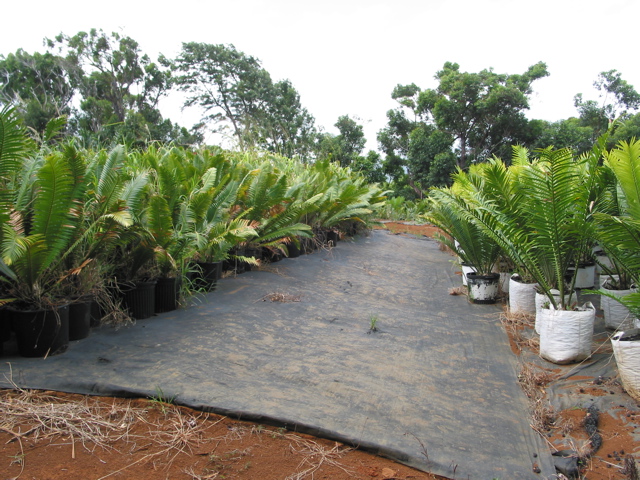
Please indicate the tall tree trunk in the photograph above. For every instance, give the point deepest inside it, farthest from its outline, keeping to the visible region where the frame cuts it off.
(462, 161)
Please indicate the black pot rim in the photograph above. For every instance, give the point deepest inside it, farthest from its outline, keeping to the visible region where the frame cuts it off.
(38, 310)
(488, 276)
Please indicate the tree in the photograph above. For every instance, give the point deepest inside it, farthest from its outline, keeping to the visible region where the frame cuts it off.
(431, 160)
(627, 130)
(119, 87)
(394, 139)
(37, 85)
(418, 155)
(234, 90)
(570, 133)
(481, 111)
(351, 140)
(619, 100)
(228, 85)
(286, 127)
(370, 167)
(346, 147)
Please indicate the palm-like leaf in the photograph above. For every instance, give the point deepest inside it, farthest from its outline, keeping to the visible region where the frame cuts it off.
(474, 247)
(14, 143)
(619, 233)
(549, 229)
(624, 160)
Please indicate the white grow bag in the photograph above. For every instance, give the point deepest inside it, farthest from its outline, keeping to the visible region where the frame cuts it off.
(566, 335)
(541, 299)
(616, 315)
(522, 297)
(627, 353)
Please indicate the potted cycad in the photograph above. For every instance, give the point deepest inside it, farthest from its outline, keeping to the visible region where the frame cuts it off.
(554, 197)
(474, 247)
(35, 238)
(626, 348)
(619, 235)
(214, 245)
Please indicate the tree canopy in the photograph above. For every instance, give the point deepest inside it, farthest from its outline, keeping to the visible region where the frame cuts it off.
(233, 90)
(110, 91)
(483, 111)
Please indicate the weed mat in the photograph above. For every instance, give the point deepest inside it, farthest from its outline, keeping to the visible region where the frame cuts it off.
(361, 343)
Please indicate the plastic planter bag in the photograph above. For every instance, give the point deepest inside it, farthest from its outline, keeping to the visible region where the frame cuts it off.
(616, 315)
(566, 335)
(626, 348)
(541, 299)
(522, 297)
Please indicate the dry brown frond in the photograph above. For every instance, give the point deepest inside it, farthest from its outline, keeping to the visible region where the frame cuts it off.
(461, 290)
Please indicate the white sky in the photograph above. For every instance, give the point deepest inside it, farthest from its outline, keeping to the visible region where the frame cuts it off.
(345, 56)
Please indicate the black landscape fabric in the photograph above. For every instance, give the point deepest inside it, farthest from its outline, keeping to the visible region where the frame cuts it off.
(435, 387)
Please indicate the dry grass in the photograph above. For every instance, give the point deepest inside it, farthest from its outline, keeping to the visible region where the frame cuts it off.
(280, 297)
(630, 470)
(180, 433)
(533, 380)
(315, 456)
(270, 268)
(40, 416)
(516, 324)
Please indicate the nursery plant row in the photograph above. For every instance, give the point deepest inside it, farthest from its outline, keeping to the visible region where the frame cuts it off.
(82, 226)
(548, 220)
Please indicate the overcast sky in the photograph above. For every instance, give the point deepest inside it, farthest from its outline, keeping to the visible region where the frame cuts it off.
(345, 56)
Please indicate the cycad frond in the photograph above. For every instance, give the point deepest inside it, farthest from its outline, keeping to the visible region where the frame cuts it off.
(624, 160)
(53, 205)
(14, 143)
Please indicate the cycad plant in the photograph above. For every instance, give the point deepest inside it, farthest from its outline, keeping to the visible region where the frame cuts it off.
(344, 196)
(542, 222)
(38, 235)
(266, 201)
(460, 233)
(619, 234)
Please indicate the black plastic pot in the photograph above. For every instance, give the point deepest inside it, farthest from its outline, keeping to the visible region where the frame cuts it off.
(293, 250)
(167, 292)
(5, 324)
(96, 314)
(483, 289)
(140, 299)
(5, 328)
(41, 333)
(80, 318)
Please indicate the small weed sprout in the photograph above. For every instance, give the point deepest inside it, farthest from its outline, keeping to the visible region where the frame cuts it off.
(160, 400)
(373, 323)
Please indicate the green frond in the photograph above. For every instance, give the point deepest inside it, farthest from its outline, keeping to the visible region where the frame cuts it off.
(159, 220)
(15, 145)
(52, 217)
(624, 161)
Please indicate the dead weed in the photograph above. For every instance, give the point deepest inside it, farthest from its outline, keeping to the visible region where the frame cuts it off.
(279, 297)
